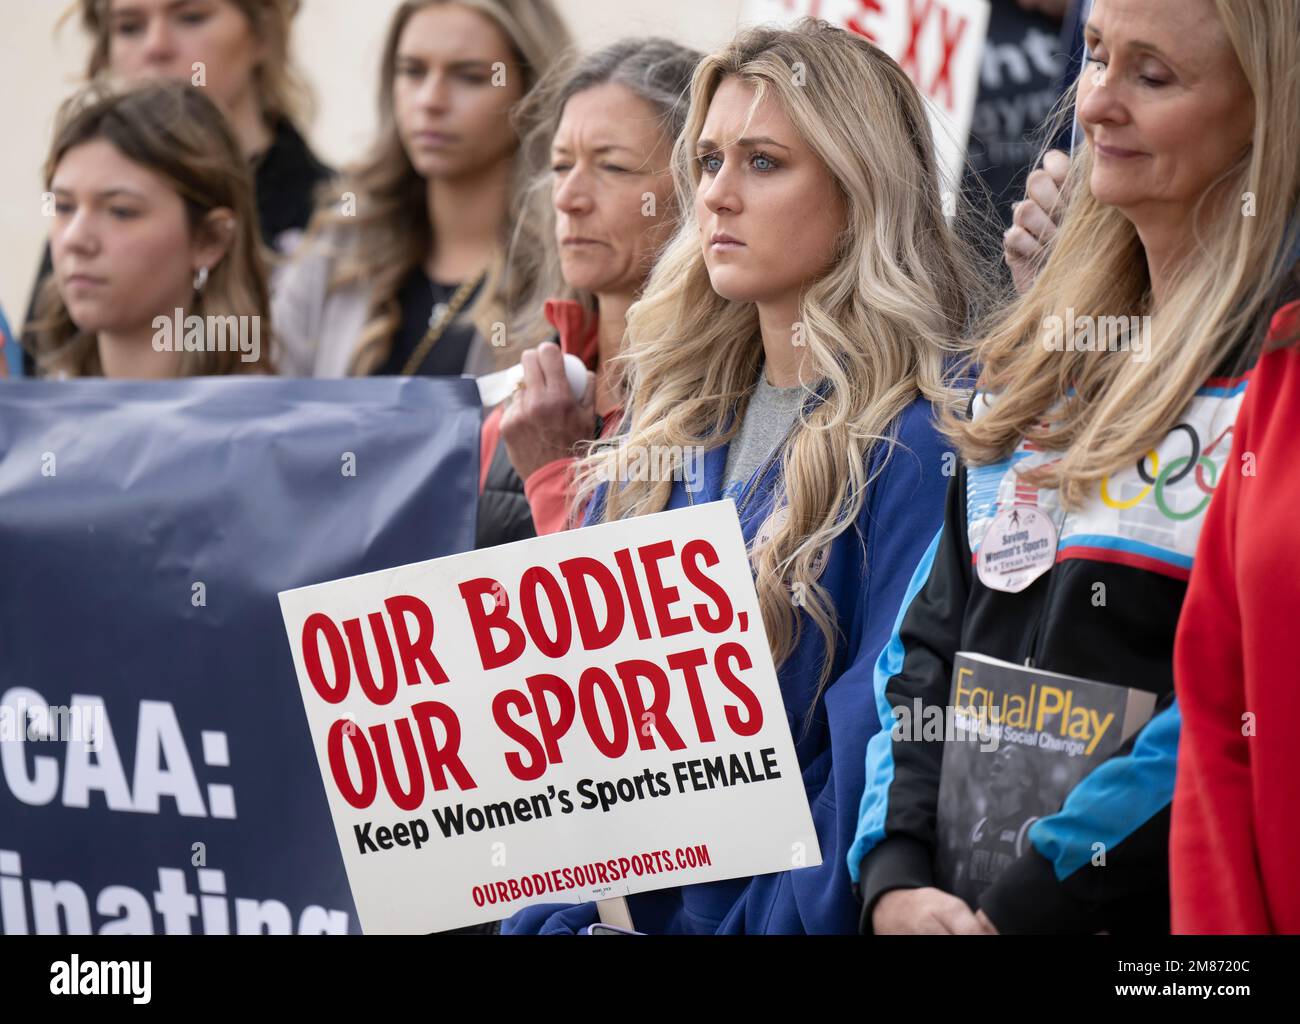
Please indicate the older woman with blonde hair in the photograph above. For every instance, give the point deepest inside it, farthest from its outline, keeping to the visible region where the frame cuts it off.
(796, 329)
(1102, 424)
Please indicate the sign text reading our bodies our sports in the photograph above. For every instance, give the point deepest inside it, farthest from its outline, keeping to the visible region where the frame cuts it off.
(598, 697)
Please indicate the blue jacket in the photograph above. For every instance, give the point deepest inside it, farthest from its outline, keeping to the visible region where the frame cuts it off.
(903, 509)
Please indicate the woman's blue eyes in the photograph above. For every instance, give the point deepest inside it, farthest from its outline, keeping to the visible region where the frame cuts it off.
(761, 162)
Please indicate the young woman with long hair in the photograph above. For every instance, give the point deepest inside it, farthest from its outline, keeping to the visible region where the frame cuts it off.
(796, 329)
(404, 270)
(238, 51)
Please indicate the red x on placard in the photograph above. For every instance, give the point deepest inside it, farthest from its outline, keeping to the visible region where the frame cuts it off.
(951, 40)
(917, 19)
(951, 30)
(854, 25)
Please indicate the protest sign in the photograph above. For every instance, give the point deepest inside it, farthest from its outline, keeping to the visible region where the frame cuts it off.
(939, 43)
(576, 717)
(155, 772)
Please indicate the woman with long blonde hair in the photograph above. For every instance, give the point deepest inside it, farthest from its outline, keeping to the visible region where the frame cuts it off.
(795, 330)
(404, 269)
(1102, 423)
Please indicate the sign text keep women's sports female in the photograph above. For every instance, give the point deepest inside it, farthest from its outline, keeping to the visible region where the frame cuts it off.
(570, 718)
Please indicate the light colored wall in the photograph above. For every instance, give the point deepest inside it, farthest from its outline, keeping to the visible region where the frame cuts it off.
(337, 42)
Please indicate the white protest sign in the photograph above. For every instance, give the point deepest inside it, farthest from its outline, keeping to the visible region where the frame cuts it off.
(577, 717)
(939, 43)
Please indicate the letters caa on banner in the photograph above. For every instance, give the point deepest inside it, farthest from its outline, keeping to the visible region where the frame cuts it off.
(569, 718)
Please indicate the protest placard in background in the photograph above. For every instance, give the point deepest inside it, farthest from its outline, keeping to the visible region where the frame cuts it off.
(576, 717)
(939, 43)
(156, 775)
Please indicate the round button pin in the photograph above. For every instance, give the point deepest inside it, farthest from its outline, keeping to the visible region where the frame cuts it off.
(1018, 547)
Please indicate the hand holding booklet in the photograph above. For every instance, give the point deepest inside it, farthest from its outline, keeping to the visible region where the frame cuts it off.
(1021, 740)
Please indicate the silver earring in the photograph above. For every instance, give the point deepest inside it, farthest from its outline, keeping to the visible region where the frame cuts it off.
(200, 278)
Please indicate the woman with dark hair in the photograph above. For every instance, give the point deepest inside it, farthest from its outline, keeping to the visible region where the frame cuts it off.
(604, 133)
(407, 273)
(157, 268)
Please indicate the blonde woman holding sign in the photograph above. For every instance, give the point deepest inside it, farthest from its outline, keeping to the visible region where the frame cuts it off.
(795, 329)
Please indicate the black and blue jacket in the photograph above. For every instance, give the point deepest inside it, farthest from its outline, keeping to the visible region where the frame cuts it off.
(866, 575)
(1107, 609)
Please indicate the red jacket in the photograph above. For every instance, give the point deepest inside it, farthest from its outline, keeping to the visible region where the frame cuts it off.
(1235, 836)
(547, 488)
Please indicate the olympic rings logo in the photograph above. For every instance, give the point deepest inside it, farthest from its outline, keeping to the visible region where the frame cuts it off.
(1175, 472)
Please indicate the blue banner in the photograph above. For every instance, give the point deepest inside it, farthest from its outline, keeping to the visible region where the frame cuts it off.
(156, 772)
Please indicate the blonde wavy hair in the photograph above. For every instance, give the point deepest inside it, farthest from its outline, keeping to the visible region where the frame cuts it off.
(175, 131)
(389, 235)
(280, 89)
(1108, 409)
(877, 325)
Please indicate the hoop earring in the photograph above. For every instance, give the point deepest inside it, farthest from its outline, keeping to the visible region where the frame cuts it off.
(200, 278)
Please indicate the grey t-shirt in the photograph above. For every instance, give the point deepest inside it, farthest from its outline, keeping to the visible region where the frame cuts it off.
(768, 418)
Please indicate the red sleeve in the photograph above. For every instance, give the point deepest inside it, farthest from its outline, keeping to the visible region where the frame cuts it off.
(547, 490)
(1215, 878)
(488, 440)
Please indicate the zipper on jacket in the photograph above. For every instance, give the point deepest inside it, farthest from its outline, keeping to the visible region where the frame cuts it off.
(763, 470)
(757, 479)
(1032, 652)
